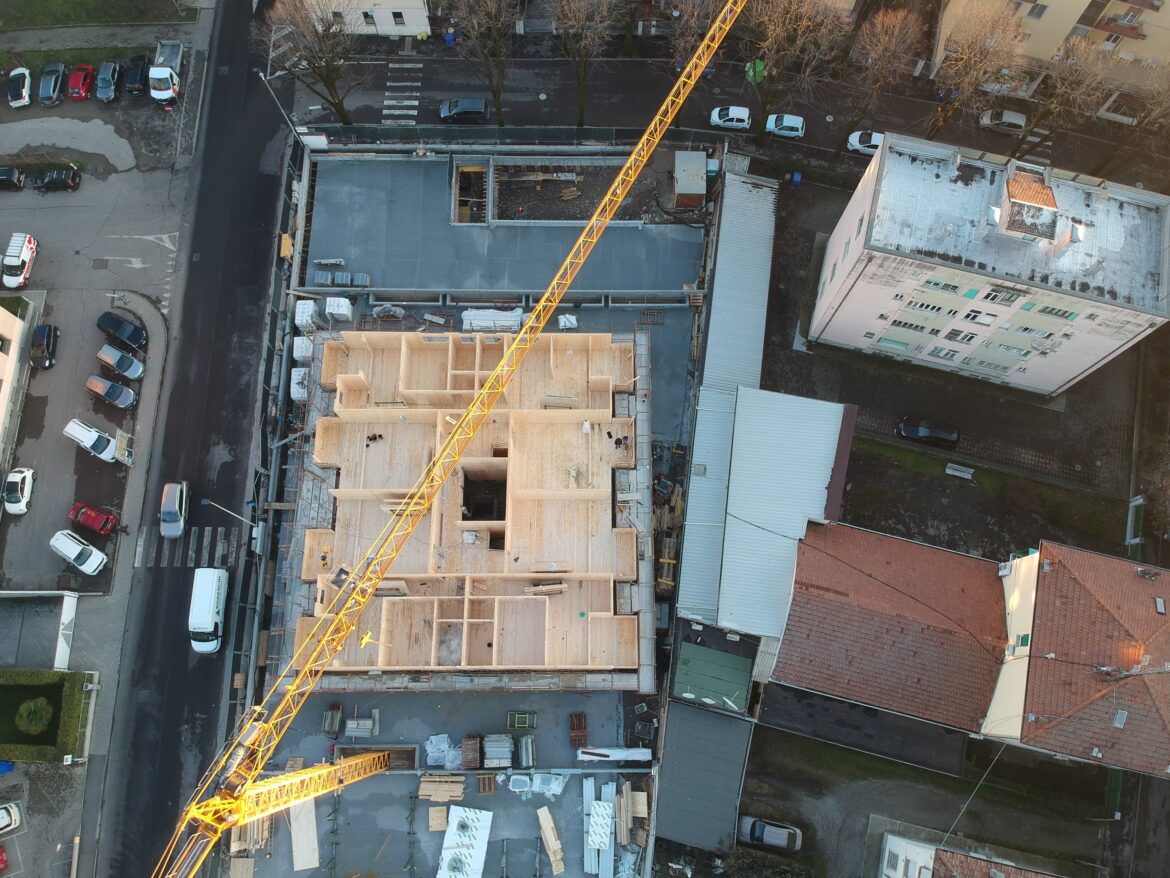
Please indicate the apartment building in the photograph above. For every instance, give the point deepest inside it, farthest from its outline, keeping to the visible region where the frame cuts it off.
(385, 18)
(999, 271)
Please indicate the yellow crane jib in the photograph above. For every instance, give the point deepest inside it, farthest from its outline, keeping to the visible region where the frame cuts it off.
(230, 793)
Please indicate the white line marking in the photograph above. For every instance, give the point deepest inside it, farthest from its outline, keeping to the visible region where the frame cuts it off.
(404, 85)
(386, 111)
(206, 547)
(390, 103)
(220, 547)
(139, 547)
(194, 545)
(398, 66)
(166, 553)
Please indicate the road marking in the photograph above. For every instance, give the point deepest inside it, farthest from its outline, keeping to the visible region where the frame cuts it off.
(179, 552)
(166, 553)
(233, 545)
(400, 66)
(386, 111)
(206, 547)
(194, 545)
(389, 103)
(220, 547)
(139, 546)
(415, 84)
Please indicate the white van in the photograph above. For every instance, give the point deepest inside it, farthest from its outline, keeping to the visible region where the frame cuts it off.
(208, 603)
(18, 260)
(92, 439)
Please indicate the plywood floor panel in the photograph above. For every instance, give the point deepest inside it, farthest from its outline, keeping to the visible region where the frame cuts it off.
(520, 626)
(568, 625)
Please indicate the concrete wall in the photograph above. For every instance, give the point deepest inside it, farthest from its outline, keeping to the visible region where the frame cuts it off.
(12, 350)
(399, 18)
(1005, 715)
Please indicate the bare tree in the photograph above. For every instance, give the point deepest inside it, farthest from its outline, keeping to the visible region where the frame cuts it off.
(584, 26)
(312, 42)
(1149, 123)
(799, 41)
(486, 31)
(982, 59)
(689, 22)
(1073, 88)
(886, 44)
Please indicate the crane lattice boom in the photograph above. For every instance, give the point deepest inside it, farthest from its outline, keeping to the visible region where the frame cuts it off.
(229, 792)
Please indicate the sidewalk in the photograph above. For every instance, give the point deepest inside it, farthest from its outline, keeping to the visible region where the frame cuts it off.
(100, 36)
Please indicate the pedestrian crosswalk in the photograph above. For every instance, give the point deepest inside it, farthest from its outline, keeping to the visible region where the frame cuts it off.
(403, 87)
(199, 547)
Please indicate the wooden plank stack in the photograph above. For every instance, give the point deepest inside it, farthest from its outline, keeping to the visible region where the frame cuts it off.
(623, 812)
(487, 784)
(552, 842)
(471, 752)
(437, 818)
(441, 787)
(578, 730)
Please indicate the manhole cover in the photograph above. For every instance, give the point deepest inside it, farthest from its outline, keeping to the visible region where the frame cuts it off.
(101, 263)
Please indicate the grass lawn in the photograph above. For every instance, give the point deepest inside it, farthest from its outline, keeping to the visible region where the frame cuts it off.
(36, 61)
(64, 13)
(63, 691)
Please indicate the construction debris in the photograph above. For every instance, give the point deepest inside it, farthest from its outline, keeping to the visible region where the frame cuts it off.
(641, 805)
(437, 818)
(552, 842)
(440, 753)
(441, 787)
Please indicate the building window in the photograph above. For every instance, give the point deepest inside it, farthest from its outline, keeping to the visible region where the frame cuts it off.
(860, 223)
(994, 367)
(893, 343)
(845, 255)
(939, 285)
(1037, 10)
(5, 343)
(400, 19)
(833, 272)
(1057, 312)
(925, 306)
(944, 353)
(1002, 295)
(934, 332)
(913, 327)
(898, 297)
(1032, 331)
(980, 317)
(1008, 349)
(339, 18)
(368, 18)
(952, 312)
(869, 335)
(960, 336)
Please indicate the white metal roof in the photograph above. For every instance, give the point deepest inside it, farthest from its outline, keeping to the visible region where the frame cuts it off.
(465, 843)
(702, 548)
(783, 450)
(743, 270)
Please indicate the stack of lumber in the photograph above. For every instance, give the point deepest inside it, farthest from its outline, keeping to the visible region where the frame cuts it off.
(471, 757)
(552, 842)
(487, 784)
(441, 787)
(497, 751)
(578, 730)
(623, 812)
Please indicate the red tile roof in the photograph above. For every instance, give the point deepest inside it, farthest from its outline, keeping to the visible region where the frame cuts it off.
(1030, 189)
(894, 624)
(952, 864)
(1097, 617)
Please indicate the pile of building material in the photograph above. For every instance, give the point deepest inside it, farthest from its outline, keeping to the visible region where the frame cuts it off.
(440, 753)
(465, 843)
(578, 730)
(616, 823)
(471, 752)
(552, 842)
(497, 751)
(441, 787)
(437, 818)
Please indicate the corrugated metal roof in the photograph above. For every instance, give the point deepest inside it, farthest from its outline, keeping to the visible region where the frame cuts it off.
(743, 269)
(717, 679)
(698, 786)
(781, 463)
(702, 548)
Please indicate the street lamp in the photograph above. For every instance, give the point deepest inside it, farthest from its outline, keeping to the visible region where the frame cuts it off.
(264, 79)
(203, 501)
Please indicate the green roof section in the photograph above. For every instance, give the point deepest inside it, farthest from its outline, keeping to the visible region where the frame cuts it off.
(708, 676)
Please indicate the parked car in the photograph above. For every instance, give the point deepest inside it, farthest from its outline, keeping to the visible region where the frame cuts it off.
(465, 111)
(785, 125)
(9, 817)
(137, 75)
(93, 519)
(1004, 121)
(18, 260)
(121, 362)
(118, 328)
(736, 118)
(864, 142)
(81, 81)
(19, 88)
(11, 179)
(109, 81)
(117, 395)
(18, 490)
(768, 834)
(44, 346)
(172, 510)
(78, 552)
(100, 445)
(52, 85)
(59, 180)
(928, 432)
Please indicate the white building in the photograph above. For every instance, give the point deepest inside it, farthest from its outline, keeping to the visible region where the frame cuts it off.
(387, 18)
(998, 270)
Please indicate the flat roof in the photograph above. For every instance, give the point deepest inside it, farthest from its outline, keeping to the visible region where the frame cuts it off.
(717, 679)
(700, 782)
(1015, 221)
(31, 629)
(391, 217)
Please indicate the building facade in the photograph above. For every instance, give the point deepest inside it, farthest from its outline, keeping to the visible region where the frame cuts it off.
(387, 18)
(999, 271)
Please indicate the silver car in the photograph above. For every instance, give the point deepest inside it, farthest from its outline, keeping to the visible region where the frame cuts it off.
(172, 512)
(118, 395)
(121, 362)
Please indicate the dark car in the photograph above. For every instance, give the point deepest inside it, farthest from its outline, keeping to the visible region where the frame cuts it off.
(465, 110)
(60, 180)
(137, 73)
(93, 519)
(928, 432)
(44, 346)
(118, 328)
(11, 179)
(109, 81)
(52, 85)
(81, 81)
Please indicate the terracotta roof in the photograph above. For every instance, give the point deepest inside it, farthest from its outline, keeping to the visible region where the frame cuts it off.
(952, 864)
(1098, 618)
(894, 624)
(1030, 189)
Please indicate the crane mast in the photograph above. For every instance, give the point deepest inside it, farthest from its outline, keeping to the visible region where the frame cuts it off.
(229, 793)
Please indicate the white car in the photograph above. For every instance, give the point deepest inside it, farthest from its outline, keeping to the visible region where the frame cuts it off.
(864, 142)
(784, 125)
(19, 88)
(9, 817)
(1004, 121)
(78, 552)
(736, 118)
(18, 490)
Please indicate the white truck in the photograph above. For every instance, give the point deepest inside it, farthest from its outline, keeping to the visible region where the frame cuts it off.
(164, 72)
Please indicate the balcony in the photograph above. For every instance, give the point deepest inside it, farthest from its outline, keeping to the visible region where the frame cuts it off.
(1115, 25)
(1152, 5)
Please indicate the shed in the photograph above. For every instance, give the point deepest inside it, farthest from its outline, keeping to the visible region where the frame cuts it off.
(690, 178)
(698, 786)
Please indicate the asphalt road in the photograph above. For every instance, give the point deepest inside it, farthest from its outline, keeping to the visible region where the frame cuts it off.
(169, 713)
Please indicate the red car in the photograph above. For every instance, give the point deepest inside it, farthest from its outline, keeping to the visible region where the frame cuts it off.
(91, 518)
(81, 81)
